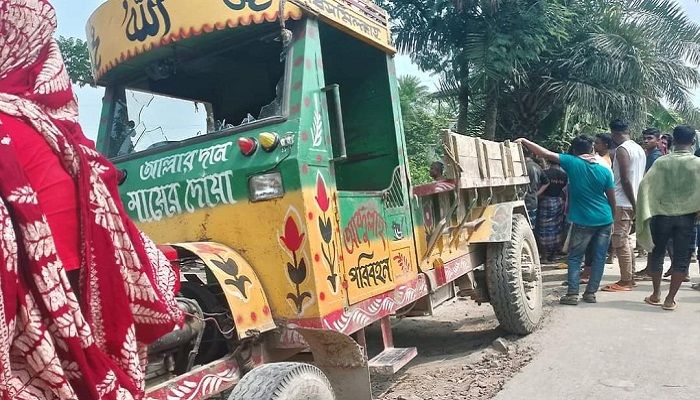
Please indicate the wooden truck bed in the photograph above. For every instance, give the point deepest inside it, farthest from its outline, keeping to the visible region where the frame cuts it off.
(477, 163)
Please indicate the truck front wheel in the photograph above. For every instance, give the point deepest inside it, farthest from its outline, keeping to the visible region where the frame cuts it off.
(514, 279)
(284, 381)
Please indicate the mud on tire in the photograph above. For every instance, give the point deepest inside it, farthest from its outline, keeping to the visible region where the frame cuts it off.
(514, 279)
(284, 381)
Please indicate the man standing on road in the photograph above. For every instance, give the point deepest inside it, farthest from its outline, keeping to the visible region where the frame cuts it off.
(628, 168)
(652, 138)
(591, 205)
(652, 141)
(696, 286)
(602, 147)
(669, 203)
(538, 184)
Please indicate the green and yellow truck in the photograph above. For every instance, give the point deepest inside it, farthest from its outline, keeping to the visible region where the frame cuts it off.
(289, 210)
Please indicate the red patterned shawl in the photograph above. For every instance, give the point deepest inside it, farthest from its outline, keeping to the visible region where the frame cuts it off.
(54, 345)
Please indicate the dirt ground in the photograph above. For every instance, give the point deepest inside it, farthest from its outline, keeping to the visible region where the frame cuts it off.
(456, 359)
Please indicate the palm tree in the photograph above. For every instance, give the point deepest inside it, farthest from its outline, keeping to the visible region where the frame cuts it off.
(481, 44)
(529, 65)
(413, 93)
(665, 119)
(624, 58)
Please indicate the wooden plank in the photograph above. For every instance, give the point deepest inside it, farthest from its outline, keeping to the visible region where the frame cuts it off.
(519, 165)
(466, 152)
(470, 166)
(455, 154)
(466, 145)
(483, 153)
(391, 360)
(448, 143)
(496, 168)
(506, 160)
(494, 159)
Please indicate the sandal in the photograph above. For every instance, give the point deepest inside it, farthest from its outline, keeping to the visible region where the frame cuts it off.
(649, 301)
(569, 300)
(671, 307)
(583, 281)
(589, 298)
(616, 288)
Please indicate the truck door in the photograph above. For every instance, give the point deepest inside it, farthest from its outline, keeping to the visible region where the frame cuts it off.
(374, 213)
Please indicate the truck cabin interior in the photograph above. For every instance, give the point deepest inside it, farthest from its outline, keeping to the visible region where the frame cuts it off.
(238, 75)
(362, 72)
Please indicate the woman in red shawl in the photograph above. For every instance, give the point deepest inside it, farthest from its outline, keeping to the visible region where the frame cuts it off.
(60, 212)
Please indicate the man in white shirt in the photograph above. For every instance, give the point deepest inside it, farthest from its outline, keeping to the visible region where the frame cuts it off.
(628, 168)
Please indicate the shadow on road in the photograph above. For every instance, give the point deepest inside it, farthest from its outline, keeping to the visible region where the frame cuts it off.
(629, 305)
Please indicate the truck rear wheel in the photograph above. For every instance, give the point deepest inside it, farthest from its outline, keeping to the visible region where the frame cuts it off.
(514, 279)
(284, 381)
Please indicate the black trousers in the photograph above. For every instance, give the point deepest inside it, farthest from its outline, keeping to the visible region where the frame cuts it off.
(680, 229)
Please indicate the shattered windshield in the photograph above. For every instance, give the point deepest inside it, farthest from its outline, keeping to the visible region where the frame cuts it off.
(180, 98)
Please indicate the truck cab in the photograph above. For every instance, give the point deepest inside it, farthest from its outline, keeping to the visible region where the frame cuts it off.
(299, 127)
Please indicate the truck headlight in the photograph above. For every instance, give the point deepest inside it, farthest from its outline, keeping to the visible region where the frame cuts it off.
(265, 187)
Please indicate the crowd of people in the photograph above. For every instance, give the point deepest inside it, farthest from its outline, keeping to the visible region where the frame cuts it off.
(594, 201)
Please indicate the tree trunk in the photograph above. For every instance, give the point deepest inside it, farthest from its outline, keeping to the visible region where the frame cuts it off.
(463, 98)
(462, 118)
(529, 111)
(491, 116)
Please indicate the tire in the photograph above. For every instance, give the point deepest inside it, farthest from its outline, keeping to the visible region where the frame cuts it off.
(516, 290)
(284, 381)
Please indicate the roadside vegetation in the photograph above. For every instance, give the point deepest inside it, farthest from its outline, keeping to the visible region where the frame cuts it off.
(545, 69)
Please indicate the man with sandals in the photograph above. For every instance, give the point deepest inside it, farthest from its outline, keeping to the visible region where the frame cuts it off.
(592, 201)
(628, 168)
(668, 206)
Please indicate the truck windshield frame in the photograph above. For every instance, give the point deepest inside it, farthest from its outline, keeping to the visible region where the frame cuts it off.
(112, 95)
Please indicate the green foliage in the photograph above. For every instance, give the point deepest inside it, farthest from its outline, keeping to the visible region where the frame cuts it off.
(423, 119)
(663, 118)
(623, 58)
(482, 46)
(77, 58)
(550, 69)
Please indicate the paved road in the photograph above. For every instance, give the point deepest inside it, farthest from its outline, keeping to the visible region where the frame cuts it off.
(617, 349)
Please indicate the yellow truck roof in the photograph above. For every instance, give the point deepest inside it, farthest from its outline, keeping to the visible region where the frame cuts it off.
(122, 29)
